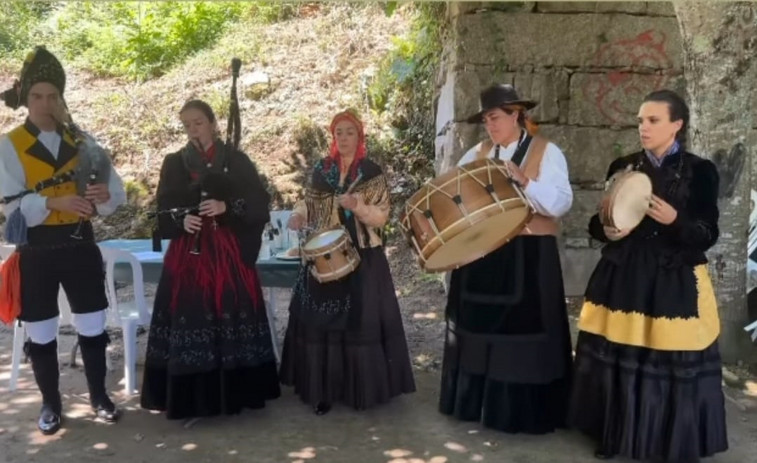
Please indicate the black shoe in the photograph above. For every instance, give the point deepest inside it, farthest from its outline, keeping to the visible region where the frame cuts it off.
(45, 367)
(106, 411)
(321, 408)
(93, 356)
(49, 421)
(603, 455)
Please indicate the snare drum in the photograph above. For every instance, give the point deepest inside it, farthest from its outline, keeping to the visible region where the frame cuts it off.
(464, 214)
(331, 254)
(626, 198)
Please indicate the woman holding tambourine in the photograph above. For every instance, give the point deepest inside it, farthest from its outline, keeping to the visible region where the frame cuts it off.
(648, 371)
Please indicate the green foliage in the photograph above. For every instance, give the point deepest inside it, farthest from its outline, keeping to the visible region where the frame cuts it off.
(403, 89)
(136, 192)
(389, 8)
(16, 18)
(139, 39)
(220, 101)
(270, 12)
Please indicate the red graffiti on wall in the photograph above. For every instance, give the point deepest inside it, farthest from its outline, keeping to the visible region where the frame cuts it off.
(617, 94)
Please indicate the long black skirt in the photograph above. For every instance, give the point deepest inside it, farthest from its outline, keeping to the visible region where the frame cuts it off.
(507, 350)
(360, 359)
(648, 370)
(649, 404)
(209, 349)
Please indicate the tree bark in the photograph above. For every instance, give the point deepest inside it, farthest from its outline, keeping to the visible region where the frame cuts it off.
(719, 44)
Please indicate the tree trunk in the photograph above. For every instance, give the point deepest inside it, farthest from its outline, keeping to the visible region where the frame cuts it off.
(719, 43)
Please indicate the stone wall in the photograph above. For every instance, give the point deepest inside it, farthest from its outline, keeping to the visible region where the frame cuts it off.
(588, 64)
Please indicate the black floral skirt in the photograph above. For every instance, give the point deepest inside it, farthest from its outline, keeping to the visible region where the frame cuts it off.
(208, 355)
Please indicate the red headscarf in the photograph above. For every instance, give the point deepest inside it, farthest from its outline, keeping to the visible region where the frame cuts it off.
(334, 155)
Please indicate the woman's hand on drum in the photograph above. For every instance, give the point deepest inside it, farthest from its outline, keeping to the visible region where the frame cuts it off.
(296, 221)
(661, 211)
(614, 234)
(192, 223)
(516, 174)
(348, 202)
(212, 207)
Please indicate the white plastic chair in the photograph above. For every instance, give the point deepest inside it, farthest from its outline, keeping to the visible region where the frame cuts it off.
(19, 333)
(127, 315)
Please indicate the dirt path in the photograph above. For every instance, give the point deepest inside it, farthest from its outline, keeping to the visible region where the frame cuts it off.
(408, 430)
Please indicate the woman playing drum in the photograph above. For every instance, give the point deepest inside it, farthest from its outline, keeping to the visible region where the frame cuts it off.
(648, 371)
(345, 340)
(507, 350)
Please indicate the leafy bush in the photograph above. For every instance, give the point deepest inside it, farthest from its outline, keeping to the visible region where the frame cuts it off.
(403, 90)
(271, 11)
(18, 19)
(139, 39)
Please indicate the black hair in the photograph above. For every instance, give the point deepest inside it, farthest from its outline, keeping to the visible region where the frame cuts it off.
(677, 108)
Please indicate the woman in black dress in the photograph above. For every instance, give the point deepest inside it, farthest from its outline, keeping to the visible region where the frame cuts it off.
(345, 341)
(648, 371)
(507, 350)
(209, 350)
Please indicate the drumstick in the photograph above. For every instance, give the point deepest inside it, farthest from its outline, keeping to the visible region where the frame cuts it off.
(354, 184)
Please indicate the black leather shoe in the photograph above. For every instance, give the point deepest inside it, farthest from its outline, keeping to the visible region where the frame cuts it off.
(45, 367)
(93, 355)
(321, 408)
(106, 411)
(49, 421)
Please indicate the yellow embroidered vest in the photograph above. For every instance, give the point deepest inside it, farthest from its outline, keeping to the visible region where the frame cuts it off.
(39, 164)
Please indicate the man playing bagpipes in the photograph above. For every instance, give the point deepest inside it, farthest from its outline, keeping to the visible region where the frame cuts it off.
(53, 178)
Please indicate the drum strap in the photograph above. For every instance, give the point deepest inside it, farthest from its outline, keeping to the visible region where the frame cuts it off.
(520, 153)
(518, 156)
(539, 224)
(538, 146)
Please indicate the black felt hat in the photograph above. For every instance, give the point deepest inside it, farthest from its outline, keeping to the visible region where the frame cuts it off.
(497, 96)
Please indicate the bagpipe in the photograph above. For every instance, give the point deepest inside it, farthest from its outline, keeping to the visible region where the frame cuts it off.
(94, 161)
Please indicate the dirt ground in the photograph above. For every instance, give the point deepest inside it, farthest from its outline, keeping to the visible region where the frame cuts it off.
(407, 430)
